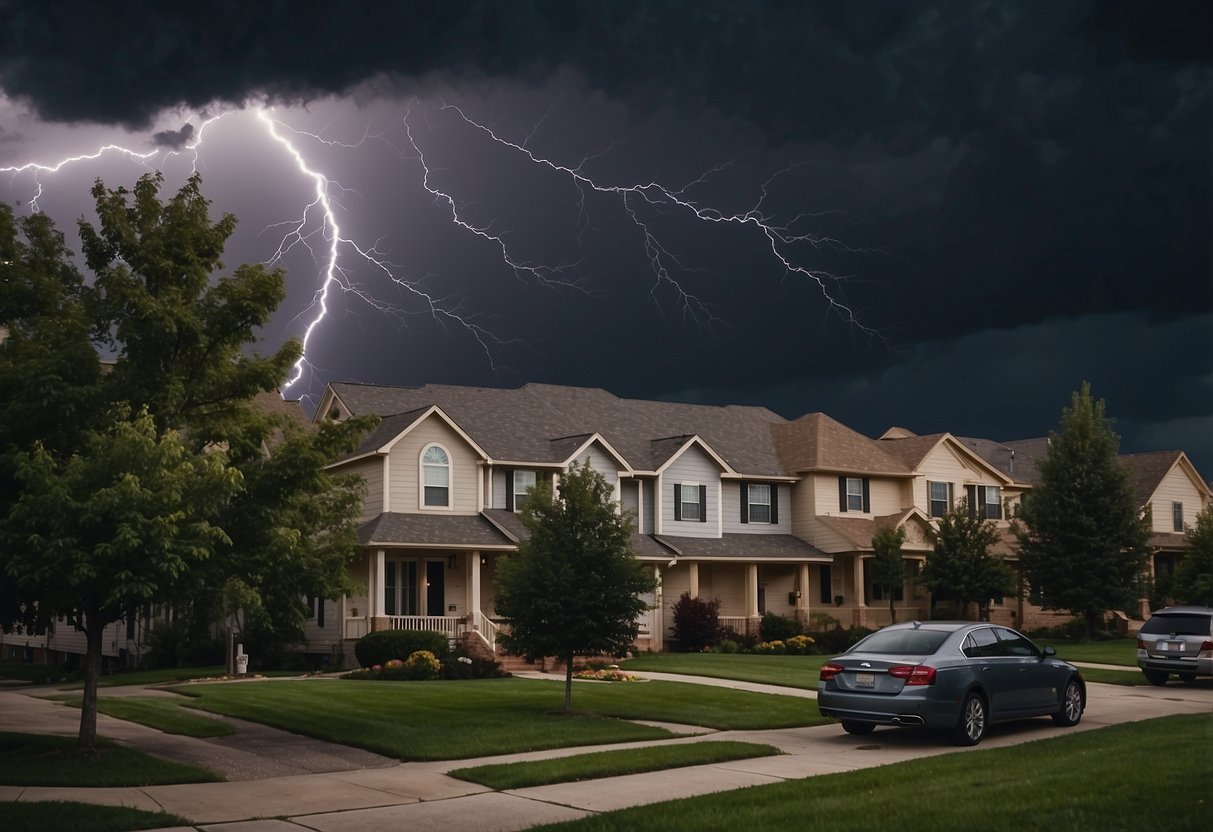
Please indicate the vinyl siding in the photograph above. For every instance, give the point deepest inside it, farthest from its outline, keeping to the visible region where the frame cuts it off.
(405, 468)
(885, 494)
(732, 511)
(630, 499)
(693, 466)
(603, 463)
(649, 521)
(943, 465)
(371, 471)
(1175, 487)
(804, 505)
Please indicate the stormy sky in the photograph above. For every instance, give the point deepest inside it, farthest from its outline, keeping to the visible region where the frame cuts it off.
(942, 216)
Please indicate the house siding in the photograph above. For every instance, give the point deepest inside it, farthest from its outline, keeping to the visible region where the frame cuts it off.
(405, 469)
(371, 471)
(732, 511)
(693, 466)
(603, 463)
(629, 501)
(1176, 487)
(648, 522)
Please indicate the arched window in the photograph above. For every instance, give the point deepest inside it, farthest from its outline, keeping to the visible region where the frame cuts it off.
(436, 477)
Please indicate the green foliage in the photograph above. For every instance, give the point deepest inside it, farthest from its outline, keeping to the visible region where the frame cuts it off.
(69, 816)
(385, 645)
(1193, 580)
(960, 568)
(1081, 536)
(573, 588)
(886, 568)
(696, 622)
(770, 648)
(775, 627)
(176, 644)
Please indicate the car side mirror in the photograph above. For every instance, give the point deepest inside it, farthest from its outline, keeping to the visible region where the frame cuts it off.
(1050, 651)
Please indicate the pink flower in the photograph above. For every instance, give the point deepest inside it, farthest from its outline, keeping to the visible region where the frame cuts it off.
(377, 667)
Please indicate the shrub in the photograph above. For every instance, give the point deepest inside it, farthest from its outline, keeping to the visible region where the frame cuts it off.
(855, 634)
(777, 627)
(820, 622)
(381, 647)
(770, 648)
(727, 645)
(460, 665)
(800, 645)
(423, 665)
(833, 640)
(696, 622)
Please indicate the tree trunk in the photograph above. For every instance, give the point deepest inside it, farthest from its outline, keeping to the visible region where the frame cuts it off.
(568, 684)
(94, 629)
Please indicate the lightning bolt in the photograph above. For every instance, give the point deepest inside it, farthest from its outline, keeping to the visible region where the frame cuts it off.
(316, 229)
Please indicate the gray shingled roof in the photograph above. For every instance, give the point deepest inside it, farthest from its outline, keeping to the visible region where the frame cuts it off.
(1147, 470)
(745, 547)
(421, 530)
(542, 423)
(816, 442)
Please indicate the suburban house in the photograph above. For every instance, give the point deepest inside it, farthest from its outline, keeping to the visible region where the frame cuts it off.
(737, 503)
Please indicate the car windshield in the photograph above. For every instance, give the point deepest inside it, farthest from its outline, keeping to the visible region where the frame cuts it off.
(1182, 624)
(903, 642)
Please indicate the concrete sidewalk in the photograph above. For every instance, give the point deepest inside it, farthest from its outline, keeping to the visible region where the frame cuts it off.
(422, 795)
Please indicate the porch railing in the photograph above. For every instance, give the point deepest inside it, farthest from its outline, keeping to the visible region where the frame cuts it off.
(734, 622)
(487, 630)
(451, 626)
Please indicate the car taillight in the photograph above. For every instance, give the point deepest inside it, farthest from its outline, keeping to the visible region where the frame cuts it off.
(1141, 645)
(829, 671)
(914, 674)
(1206, 647)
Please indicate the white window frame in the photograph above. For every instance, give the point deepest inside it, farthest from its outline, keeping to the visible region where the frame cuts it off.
(422, 465)
(521, 494)
(1177, 516)
(751, 502)
(689, 488)
(987, 502)
(855, 499)
(931, 499)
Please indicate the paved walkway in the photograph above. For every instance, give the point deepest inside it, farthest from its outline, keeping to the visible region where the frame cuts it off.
(386, 794)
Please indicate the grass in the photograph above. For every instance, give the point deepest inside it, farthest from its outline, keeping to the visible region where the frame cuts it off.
(167, 715)
(62, 816)
(1128, 676)
(1120, 651)
(1088, 780)
(37, 760)
(610, 764)
(452, 720)
(788, 671)
(37, 674)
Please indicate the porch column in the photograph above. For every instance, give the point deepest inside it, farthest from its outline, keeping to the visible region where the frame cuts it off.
(473, 586)
(751, 590)
(657, 617)
(858, 580)
(802, 584)
(375, 590)
(693, 576)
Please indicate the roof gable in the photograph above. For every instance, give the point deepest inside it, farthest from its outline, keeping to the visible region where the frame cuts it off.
(816, 442)
(1148, 471)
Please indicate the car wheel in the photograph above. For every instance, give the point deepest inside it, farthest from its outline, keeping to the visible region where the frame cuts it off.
(1071, 705)
(859, 728)
(972, 725)
(1156, 677)
(1187, 678)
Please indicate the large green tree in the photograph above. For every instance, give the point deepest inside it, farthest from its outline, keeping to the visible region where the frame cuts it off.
(573, 588)
(887, 569)
(960, 567)
(178, 337)
(1081, 531)
(1193, 579)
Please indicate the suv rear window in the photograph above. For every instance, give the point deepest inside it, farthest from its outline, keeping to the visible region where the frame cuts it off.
(903, 642)
(1182, 624)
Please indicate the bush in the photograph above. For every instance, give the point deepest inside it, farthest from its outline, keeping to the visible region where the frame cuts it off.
(857, 634)
(177, 644)
(385, 645)
(696, 622)
(727, 645)
(838, 639)
(770, 648)
(777, 627)
(460, 665)
(800, 645)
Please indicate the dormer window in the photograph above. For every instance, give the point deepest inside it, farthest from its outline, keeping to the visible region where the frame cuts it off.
(759, 498)
(436, 477)
(524, 481)
(690, 501)
(1177, 516)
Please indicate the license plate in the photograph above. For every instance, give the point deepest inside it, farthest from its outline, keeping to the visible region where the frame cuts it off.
(865, 680)
(1170, 646)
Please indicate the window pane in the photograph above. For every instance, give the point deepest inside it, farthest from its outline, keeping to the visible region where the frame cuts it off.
(435, 456)
(690, 500)
(760, 494)
(389, 588)
(1177, 516)
(436, 496)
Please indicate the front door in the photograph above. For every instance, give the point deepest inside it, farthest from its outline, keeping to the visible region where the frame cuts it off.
(435, 588)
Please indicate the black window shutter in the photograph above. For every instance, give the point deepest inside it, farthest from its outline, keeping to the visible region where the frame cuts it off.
(774, 503)
(703, 504)
(867, 496)
(971, 492)
(842, 493)
(509, 489)
(320, 611)
(745, 502)
(677, 501)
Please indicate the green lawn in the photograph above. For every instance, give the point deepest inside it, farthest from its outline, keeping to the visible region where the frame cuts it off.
(610, 764)
(38, 674)
(164, 714)
(1088, 780)
(60, 816)
(452, 720)
(37, 760)
(788, 671)
(1121, 651)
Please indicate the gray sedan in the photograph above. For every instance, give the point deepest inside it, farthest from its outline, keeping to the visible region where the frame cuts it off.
(957, 676)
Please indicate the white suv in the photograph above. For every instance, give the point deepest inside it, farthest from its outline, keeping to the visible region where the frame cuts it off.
(1176, 640)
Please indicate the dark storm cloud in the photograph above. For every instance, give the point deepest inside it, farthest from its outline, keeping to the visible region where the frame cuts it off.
(173, 139)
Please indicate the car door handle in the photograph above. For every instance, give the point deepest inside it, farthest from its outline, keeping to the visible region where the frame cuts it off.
(985, 667)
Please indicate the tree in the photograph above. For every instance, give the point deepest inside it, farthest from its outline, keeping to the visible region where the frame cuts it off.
(1193, 579)
(1081, 532)
(181, 341)
(573, 588)
(886, 569)
(960, 568)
